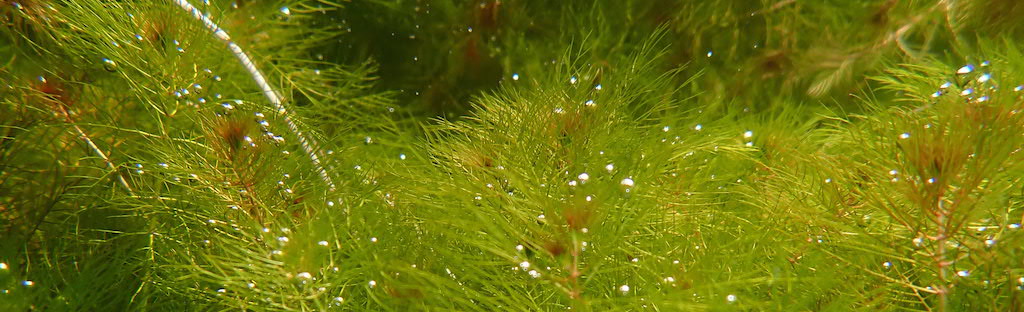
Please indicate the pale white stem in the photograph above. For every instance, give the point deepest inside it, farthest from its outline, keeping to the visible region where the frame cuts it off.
(257, 76)
(96, 149)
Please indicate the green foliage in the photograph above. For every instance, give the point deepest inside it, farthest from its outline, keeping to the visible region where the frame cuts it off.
(512, 155)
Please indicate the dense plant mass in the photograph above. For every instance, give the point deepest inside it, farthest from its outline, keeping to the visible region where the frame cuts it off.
(511, 155)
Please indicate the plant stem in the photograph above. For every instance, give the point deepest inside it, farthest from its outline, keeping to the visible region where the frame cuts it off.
(261, 81)
(94, 148)
(940, 255)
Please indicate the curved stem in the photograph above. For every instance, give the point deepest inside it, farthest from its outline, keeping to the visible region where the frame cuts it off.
(261, 81)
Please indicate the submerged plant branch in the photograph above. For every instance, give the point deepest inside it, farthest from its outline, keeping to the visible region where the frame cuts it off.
(261, 81)
(95, 149)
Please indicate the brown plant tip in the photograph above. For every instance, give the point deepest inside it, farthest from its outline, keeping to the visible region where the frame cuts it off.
(487, 15)
(413, 293)
(880, 17)
(773, 64)
(54, 92)
(233, 133)
(475, 158)
(578, 217)
(555, 248)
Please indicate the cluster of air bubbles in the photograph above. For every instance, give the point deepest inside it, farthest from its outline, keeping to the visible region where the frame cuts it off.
(895, 175)
(974, 86)
(748, 136)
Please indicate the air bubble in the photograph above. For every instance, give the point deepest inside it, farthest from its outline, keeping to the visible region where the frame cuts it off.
(967, 69)
(627, 182)
(984, 77)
